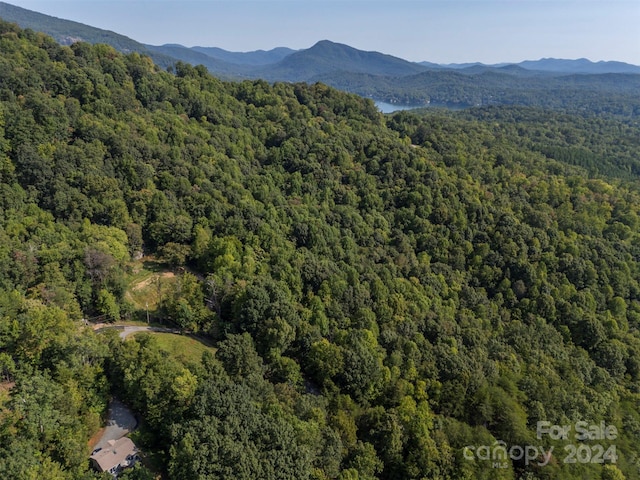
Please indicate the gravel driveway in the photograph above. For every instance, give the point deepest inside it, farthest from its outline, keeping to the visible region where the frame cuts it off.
(120, 421)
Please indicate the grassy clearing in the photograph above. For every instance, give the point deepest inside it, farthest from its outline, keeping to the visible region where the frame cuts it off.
(148, 281)
(183, 348)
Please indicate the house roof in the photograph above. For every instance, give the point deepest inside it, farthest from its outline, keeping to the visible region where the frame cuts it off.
(114, 454)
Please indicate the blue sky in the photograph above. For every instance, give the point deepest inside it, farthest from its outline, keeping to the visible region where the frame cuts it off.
(440, 31)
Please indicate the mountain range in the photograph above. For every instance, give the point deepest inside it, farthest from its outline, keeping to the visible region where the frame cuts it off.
(373, 74)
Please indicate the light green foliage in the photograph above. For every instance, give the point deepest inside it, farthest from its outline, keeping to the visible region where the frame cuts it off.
(611, 472)
(184, 387)
(108, 306)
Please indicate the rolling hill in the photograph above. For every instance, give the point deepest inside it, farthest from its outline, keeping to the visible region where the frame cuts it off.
(255, 58)
(552, 65)
(581, 65)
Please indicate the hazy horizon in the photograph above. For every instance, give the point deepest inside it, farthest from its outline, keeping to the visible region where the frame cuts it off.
(458, 31)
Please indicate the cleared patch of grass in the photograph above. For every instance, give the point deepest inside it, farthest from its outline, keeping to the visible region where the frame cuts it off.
(148, 281)
(183, 348)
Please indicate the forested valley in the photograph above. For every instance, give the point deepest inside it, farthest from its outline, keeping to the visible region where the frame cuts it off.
(386, 294)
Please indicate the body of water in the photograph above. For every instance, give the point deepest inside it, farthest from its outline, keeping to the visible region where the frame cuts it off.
(385, 107)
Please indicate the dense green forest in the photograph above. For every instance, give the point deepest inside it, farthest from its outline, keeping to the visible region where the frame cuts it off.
(389, 297)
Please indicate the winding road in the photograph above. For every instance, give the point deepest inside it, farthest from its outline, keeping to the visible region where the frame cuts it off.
(129, 330)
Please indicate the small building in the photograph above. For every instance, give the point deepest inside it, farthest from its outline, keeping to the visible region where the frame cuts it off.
(118, 454)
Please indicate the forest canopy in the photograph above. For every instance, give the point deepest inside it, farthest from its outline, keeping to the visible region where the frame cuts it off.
(382, 292)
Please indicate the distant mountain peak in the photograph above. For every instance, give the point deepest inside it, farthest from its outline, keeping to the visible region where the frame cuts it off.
(326, 56)
(327, 42)
(329, 45)
(173, 45)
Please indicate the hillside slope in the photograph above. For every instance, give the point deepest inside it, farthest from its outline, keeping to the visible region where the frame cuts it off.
(256, 58)
(67, 32)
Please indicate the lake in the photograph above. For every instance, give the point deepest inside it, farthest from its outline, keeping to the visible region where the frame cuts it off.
(385, 107)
